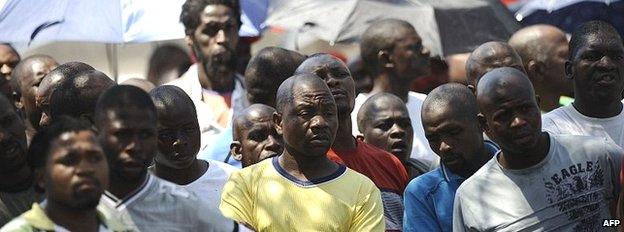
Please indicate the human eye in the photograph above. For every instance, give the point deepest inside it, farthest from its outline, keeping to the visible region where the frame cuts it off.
(384, 125)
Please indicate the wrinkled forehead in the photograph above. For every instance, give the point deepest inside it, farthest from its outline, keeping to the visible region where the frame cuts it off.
(384, 108)
(216, 13)
(322, 62)
(598, 41)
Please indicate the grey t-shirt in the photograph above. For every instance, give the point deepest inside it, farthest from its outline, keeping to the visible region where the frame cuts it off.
(160, 205)
(570, 190)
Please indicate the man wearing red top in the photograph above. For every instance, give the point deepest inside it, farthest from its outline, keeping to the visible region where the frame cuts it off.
(384, 169)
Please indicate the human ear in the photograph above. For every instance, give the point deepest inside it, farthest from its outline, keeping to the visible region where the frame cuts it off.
(235, 150)
(277, 119)
(483, 124)
(384, 59)
(536, 70)
(569, 70)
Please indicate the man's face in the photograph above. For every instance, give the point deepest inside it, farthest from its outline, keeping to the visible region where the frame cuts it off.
(178, 137)
(455, 138)
(411, 59)
(129, 139)
(12, 141)
(337, 77)
(308, 124)
(260, 141)
(501, 57)
(555, 71)
(390, 129)
(30, 84)
(214, 41)
(598, 69)
(513, 119)
(8, 61)
(76, 171)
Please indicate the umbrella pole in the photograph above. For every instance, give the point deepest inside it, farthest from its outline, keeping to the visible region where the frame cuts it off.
(113, 60)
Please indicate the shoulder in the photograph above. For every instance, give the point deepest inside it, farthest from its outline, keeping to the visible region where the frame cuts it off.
(561, 113)
(353, 178)
(218, 165)
(425, 182)
(17, 224)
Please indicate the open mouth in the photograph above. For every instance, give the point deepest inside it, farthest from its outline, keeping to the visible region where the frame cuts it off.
(398, 146)
(606, 79)
(338, 93)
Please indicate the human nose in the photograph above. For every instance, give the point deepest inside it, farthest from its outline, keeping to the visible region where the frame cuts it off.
(85, 168)
(6, 69)
(397, 131)
(606, 63)
(517, 122)
(444, 147)
(425, 51)
(318, 122)
(221, 37)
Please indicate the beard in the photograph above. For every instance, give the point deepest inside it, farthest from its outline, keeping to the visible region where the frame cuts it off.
(214, 67)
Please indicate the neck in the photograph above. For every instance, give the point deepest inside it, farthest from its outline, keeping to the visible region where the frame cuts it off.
(344, 135)
(307, 167)
(221, 82)
(482, 158)
(521, 160)
(19, 180)
(597, 108)
(72, 219)
(386, 82)
(181, 176)
(121, 188)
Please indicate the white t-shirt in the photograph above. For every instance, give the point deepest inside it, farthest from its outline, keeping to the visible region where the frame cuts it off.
(159, 205)
(570, 190)
(567, 120)
(420, 146)
(209, 186)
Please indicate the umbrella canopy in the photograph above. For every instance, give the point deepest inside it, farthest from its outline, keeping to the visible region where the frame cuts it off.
(447, 26)
(568, 14)
(108, 21)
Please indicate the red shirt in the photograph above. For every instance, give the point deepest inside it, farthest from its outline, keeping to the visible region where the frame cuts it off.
(383, 168)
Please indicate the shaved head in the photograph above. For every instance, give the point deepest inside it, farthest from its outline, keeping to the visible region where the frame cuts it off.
(77, 96)
(253, 114)
(536, 42)
(499, 84)
(382, 35)
(376, 104)
(488, 56)
(269, 68)
(453, 96)
(286, 89)
(30, 66)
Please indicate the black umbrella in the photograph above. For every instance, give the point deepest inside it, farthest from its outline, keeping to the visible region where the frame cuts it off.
(447, 26)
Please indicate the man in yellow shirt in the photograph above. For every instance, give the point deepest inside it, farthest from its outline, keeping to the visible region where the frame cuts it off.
(302, 189)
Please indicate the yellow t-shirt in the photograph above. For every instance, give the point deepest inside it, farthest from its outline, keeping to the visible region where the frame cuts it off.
(267, 198)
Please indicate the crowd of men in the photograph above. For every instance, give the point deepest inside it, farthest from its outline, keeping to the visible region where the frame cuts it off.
(291, 145)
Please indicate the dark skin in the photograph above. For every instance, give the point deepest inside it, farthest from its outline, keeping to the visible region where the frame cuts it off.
(386, 125)
(255, 137)
(308, 126)
(75, 178)
(214, 43)
(544, 50)
(449, 117)
(510, 117)
(338, 78)
(178, 140)
(129, 138)
(597, 70)
(16, 176)
(400, 66)
(36, 69)
(8, 60)
(489, 56)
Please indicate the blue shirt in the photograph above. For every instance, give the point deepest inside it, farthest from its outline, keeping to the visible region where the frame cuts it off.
(429, 198)
(220, 149)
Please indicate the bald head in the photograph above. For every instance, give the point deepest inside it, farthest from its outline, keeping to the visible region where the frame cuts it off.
(30, 71)
(537, 42)
(501, 85)
(451, 96)
(256, 113)
(488, 56)
(57, 75)
(286, 91)
(169, 98)
(269, 68)
(376, 104)
(77, 96)
(382, 35)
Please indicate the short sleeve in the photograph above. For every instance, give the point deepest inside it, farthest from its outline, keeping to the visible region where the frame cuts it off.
(548, 123)
(236, 202)
(369, 213)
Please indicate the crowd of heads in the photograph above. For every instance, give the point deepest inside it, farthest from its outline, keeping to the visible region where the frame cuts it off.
(72, 132)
